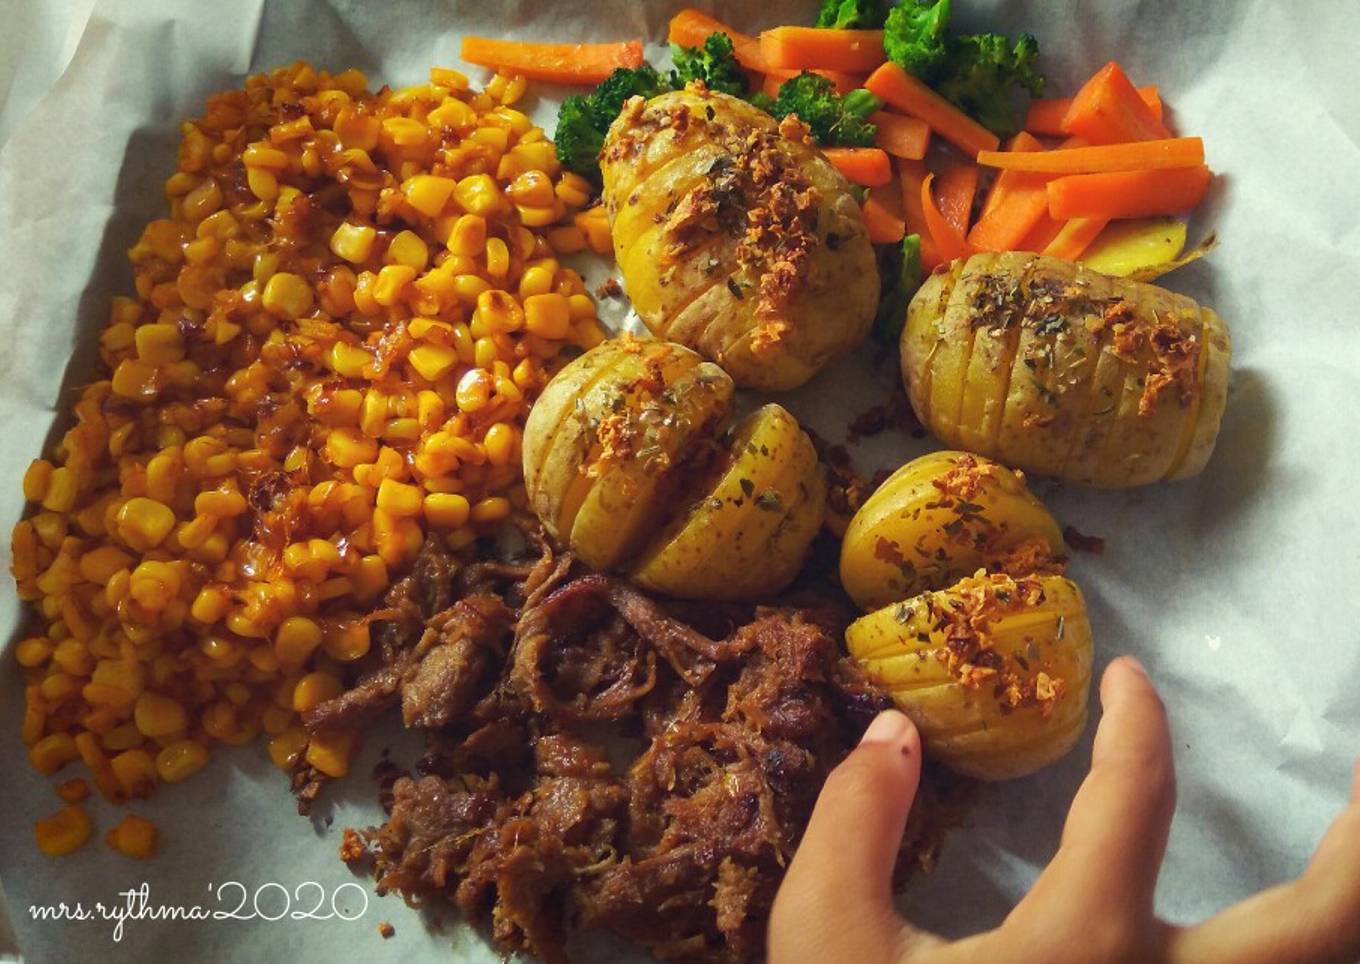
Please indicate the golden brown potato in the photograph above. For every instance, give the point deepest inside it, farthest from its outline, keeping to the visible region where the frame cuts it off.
(736, 240)
(939, 518)
(994, 671)
(1056, 369)
(605, 442)
(747, 529)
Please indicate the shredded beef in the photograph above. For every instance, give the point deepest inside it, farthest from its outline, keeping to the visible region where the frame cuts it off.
(600, 760)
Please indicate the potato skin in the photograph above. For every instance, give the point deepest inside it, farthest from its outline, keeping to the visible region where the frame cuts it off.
(937, 519)
(1015, 699)
(605, 443)
(747, 529)
(1062, 371)
(735, 240)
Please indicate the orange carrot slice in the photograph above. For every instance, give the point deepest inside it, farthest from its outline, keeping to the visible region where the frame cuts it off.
(853, 51)
(1045, 115)
(861, 165)
(901, 136)
(949, 242)
(844, 82)
(1007, 180)
(897, 88)
(1109, 110)
(955, 188)
(913, 175)
(1135, 156)
(1074, 238)
(1042, 234)
(882, 211)
(690, 28)
(556, 63)
(1128, 194)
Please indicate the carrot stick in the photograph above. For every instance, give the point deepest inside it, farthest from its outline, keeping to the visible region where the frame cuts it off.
(861, 165)
(913, 175)
(955, 187)
(1075, 237)
(1042, 234)
(882, 211)
(1046, 113)
(844, 82)
(901, 136)
(557, 63)
(1109, 110)
(690, 28)
(1135, 156)
(1007, 180)
(853, 51)
(949, 242)
(1128, 194)
(897, 88)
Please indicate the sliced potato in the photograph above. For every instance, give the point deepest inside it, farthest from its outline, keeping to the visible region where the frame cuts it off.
(1125, 248)
(746, 531)
(936, 519)
(995, 671)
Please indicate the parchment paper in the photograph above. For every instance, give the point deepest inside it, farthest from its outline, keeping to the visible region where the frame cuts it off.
(1236, 589)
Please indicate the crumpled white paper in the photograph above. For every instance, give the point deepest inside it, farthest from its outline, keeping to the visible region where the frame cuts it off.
(1236, 589)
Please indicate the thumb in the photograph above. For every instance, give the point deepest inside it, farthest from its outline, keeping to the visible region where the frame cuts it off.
(836, 899)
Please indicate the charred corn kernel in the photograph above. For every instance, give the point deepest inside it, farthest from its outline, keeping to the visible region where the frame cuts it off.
(124, 736)
(136, 773)
(348, 360)
(219, 721)
(101, 562)
(479, 194)
(432, 361)
(73, 657)
(134, 836)
(573, 190)
(428, 193)
(50, 527)
(287, 747)
(346, 448)
(181, 760)
(154, 584)
(331, 752)
(548, 315)
(408, 248)
(353, 242)
(104, 778)
(392, 280)
(398, 498)
(580, 307)
(262, 183)
(144, 523)
(491, 510)
(276, 719)
(594, 224)
(159, 344)
(210, 605)
(453, 114)
(73, 790)
(61, 491)
(371, 576)
(497, 312)
(314, 689)
(531, 189)
(536, 217)
(474, 390)
(497, 258)
(53, 752)
(262, 154)
(135, 379)
(485, 353)
(446, 510)
(348, 641)
(36, 479)
(287, 296)
(468, 237)
(33, 651)
(64, 832)
(499, 443)
(222, 503)
(297, 637)
(156, 715)
(567, 239)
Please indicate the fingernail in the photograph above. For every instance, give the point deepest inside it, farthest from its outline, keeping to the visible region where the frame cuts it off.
(1133, 664)
(889, 727)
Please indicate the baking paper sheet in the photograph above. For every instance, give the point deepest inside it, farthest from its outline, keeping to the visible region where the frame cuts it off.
(1236, 589)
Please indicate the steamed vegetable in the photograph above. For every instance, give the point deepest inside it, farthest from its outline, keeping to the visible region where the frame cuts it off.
(867, 166)
(899, 89)
(1128, 194)
(771, 306)
(900, 268)
(939, 518)
(1109, 110)
(584, 119)
(556, 63)
(854, 51)
(1059, 370)
(714, 64)
(834, 120)
(853, 14)
(994, 670)
(1096, 159)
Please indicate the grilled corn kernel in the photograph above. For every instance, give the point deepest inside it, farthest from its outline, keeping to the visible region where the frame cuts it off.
(353, 242)
(408, 248)
(181, 760)
(33, 651)
(135, 836)
(156, 715)
(491, 510)
(348, 641)
(144, 523)
(73, 790)
(428, 193)
(331, 752)
(479, 194)
(287, 296)
(547, 315)
(36, 479)
(64, 832)
(398, 498)
(53, 752)
(497, 258)
(314, 689)
(136, 772)
(295, 640)
(287, 747)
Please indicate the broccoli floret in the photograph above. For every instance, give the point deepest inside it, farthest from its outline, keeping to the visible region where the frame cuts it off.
(853, 14)
(584, 118)
(983, 71)
(978, 72)
(833, 120)
(914, 36)
(714, 63)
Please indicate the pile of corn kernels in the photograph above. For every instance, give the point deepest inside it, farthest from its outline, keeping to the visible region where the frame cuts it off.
(335, 339)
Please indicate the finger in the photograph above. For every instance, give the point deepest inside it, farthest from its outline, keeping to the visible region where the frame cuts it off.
(1115, 836)
(842, 871)
(1315, 918)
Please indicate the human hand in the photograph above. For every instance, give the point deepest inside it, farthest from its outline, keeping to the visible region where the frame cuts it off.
(1094, 900)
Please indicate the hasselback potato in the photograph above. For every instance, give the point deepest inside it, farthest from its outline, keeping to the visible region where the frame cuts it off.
(1059, 370)
(994, 671)
(939, 518)
(736, 237)
(625, 463)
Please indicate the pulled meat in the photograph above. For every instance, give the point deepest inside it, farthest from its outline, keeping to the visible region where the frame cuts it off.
(533, 685)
